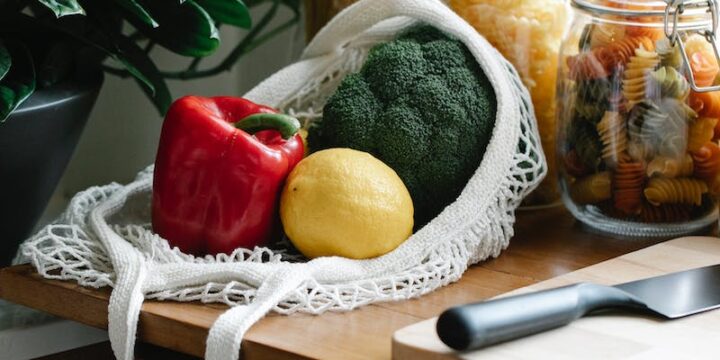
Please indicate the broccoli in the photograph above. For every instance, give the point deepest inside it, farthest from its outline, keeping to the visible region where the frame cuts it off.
(422, 105)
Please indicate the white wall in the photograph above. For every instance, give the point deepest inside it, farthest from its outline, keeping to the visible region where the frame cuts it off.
(123, 130)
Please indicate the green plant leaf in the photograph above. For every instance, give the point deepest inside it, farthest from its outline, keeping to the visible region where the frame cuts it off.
(117, 47)
(56, 65)
(5, 60)
(137, 10)
(63, 7)
(185, 29)
(232, 12)
(19, 83)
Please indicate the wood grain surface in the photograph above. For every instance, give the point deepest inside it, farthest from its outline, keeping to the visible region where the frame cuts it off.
(609, 336)
(547, 243)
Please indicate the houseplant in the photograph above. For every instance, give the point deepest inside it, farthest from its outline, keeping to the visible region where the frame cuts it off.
(52, 57)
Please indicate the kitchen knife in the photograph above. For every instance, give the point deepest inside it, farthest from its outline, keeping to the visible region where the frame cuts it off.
(490, 322)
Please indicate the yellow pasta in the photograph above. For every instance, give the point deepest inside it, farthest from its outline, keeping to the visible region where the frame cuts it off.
(637, 69)
(528, 33)
(592, 189)
(613, 135)
(675, 191)
(701, 131)
(670, 167)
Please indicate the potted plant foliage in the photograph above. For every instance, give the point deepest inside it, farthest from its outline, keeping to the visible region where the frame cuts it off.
(52, 57)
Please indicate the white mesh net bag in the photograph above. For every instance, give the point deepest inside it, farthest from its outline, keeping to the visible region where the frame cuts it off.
(104, 238)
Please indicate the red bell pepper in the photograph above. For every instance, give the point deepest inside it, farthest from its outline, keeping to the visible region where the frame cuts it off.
(219, 170)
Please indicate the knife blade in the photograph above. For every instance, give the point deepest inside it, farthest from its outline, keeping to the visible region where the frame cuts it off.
(490, 322)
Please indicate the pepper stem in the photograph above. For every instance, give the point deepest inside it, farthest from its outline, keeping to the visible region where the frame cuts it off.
(285, 124)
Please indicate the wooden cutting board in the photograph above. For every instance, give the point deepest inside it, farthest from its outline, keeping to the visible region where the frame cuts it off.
(613, 336)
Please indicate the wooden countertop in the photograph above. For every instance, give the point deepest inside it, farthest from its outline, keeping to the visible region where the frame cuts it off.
(547, 243)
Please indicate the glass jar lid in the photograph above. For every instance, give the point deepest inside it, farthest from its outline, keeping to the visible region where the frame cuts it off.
(691, 9)
(674, 16)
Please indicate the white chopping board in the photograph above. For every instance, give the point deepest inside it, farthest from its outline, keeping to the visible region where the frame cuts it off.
(612, 336)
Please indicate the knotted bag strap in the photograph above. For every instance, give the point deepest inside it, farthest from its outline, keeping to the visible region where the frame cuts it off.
(226, 333)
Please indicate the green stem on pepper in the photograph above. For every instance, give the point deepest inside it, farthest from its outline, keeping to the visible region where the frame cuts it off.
(285, 124)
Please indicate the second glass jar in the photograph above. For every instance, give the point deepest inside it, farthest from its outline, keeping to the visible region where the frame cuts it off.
(637, 129)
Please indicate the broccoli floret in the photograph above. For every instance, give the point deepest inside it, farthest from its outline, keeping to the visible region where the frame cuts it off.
(356, 108)
(392, 67)
(422, 105)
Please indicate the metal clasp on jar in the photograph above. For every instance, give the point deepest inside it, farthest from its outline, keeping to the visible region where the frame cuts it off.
(674, 9)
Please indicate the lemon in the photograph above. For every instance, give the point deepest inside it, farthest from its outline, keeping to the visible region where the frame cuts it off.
(344, 202)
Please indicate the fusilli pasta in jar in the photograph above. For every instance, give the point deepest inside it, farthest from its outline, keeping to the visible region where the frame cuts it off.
(639, 119)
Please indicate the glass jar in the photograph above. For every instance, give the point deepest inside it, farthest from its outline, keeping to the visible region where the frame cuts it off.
(528, 33)
(639, 116)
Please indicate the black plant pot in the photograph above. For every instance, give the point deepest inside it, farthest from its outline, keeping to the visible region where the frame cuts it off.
(36, 143)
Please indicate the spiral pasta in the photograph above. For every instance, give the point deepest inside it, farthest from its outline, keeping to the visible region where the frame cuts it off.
(675, 191)
(625, 48)
(653, 33)
(605, 34)
(592, 189)
(701, 132)
(704, 71)
(594, 64)
(586, 143)
(595, 90)
(588, 111)
(636, 71)
(613, 135)
(628, 184)
(639, 129)
(645, 123)
(706, 104)
(697, 43)
(592, 99)
(665, 213)
(707, 161)
(673, 132)
(679, 112)
(714, 185)
(634, 117)
(668, 82)
(670, 167)
(641, 151)
(669, 54)
(601, 62)
(574, 166)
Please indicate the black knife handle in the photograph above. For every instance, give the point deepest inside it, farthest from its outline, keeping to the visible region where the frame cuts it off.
(485, 323)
